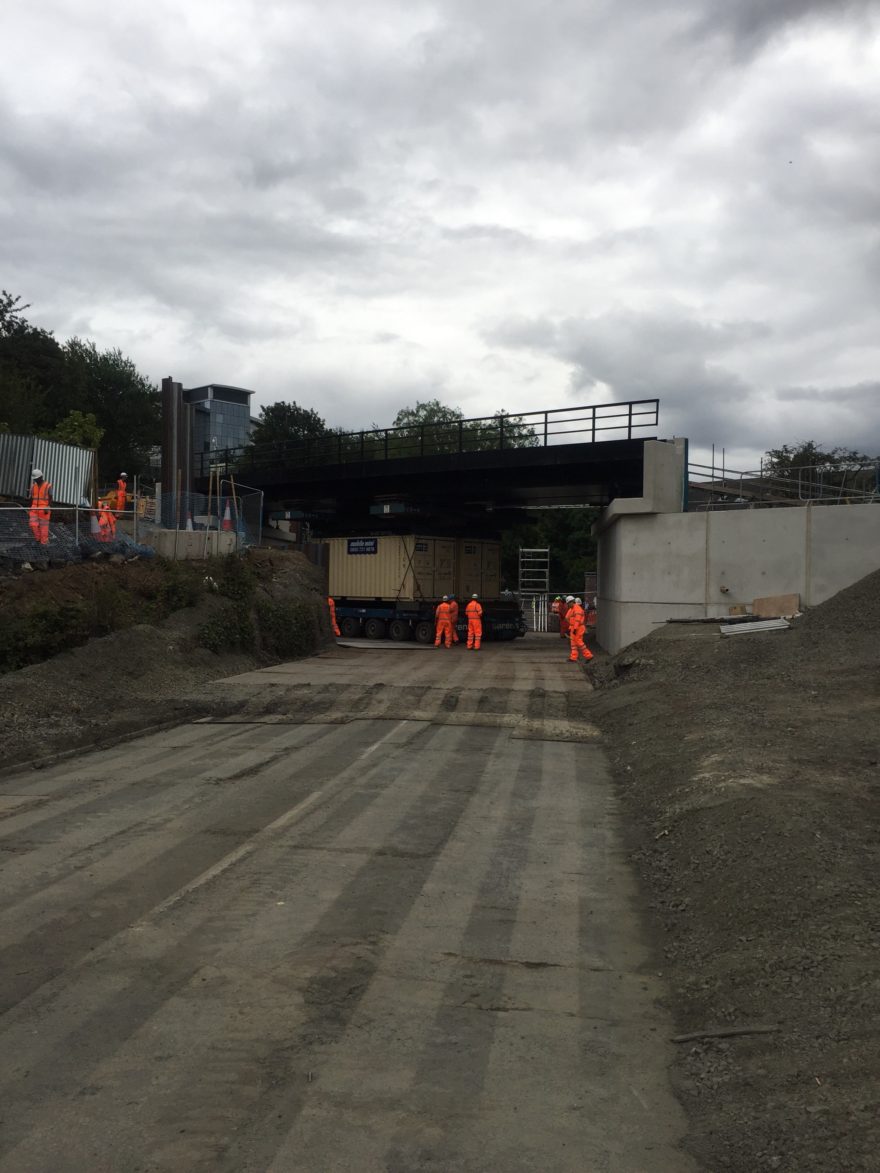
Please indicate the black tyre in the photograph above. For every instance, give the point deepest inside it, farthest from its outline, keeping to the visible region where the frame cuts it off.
(425, 632)
(399, 630)
(374, 629)
(350, 627)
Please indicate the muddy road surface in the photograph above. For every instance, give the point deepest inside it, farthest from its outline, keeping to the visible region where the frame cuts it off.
(373, 915)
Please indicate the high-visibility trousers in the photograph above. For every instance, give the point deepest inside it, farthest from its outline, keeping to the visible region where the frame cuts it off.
(38, 520)
(334, 625)
(454, 622)
(120, 502)
(475, 633)
(443, 632)
(576, 637)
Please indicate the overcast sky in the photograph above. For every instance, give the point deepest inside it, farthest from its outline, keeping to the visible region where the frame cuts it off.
(499, 203)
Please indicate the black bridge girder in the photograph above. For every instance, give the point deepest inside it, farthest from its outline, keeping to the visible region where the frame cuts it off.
(512, 478)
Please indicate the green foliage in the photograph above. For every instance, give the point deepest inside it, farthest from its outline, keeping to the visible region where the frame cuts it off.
(55, 390)
(790, 459)
(80, 428)
(126, 405)
(566, 532)
(182, 586)
(237, 580)
(231, 629)
(432, 428)
(289, 628)
(282, 422)
(42, 632)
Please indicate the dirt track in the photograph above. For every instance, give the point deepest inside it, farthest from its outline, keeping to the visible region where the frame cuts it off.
(378, 917)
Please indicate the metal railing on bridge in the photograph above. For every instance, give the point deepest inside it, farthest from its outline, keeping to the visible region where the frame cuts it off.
(711, 487)
(534, 429)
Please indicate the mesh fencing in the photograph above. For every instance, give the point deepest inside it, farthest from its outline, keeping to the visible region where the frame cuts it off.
(78, 533)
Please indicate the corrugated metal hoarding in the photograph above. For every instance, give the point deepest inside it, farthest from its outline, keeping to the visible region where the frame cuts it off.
(67, 468)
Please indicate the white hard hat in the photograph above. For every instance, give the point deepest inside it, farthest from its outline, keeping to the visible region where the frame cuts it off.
(578, 602)
(38, 472)
(446, 598)
(475, 596)
(569, 598)
(123, 474)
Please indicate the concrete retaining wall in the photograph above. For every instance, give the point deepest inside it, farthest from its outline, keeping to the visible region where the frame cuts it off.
(659, 566)
(188, 544)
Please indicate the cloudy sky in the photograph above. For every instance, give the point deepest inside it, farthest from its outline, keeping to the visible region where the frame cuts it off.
(503, 204)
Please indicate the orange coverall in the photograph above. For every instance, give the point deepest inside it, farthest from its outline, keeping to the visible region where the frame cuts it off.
(121, 489)
(39, 512)
(333, 622)
(474, 614)
(443, 617)
(106, 524)
(577, 625)
(453, 618)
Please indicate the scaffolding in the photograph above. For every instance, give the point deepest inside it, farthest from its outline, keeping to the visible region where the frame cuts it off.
(534, 586)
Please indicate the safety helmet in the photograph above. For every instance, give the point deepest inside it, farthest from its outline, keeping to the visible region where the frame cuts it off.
(557, 599)
(37, 473)
(446, 598)
(579, 603)
(569, 598)
(123, 474)
(475, 596)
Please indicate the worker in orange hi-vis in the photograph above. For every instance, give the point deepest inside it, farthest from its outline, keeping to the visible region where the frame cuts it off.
(474, 614)
(332, 607)
(39, 512)
(577, 625)
(443, 621)
(106, 522)
(121, 490)
(453, 618)
(563, 615)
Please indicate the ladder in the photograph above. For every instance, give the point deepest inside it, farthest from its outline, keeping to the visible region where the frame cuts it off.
(534, 585)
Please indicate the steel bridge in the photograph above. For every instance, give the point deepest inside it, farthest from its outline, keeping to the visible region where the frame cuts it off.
(570, 456)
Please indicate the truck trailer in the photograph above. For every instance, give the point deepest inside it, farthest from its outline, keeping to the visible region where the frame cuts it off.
(388, 585)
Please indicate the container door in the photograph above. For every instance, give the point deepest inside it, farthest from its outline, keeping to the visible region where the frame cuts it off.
(491, 570)
(469, 570)
(444, 567)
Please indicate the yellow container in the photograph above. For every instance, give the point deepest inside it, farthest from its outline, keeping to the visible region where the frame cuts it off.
(478, 569)
(390, 567)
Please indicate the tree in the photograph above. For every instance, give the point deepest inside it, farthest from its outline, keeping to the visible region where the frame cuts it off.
(431, 427)
(790, 458)
(127, 406)
(287, 422)
(32, 370)
(78, 428)
(566, 533)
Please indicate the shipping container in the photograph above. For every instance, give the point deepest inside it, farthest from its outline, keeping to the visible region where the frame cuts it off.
(478, 569)
(388, 585)
(391, 566)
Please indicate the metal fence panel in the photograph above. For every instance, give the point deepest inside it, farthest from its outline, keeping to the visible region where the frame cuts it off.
(67, 468)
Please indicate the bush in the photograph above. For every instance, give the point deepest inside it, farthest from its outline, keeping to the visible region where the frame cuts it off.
(231, 629)
(43, 632)
(288, 629)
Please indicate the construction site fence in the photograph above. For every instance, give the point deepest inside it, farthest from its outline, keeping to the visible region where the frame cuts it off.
(75, 533)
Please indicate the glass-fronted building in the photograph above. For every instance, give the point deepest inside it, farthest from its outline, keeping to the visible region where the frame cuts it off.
(221, 418)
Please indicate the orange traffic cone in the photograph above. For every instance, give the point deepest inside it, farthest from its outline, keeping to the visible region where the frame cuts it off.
(227, 518)
(189, 522)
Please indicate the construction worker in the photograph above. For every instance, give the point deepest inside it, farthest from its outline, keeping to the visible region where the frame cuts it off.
(556, 608)
(563, 615)
(576, 627)
(332, 607)
(106, 522)
(121, 489)
(453, 618)
(39, 512)
(474, 614)
(443, 620)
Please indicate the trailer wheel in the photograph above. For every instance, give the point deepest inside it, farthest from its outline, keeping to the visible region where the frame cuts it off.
(399, 630)
(425, 632)
(374, 629)
(350, 626)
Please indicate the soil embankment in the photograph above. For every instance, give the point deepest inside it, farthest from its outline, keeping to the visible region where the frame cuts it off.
(749, 769)
(112, 649)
